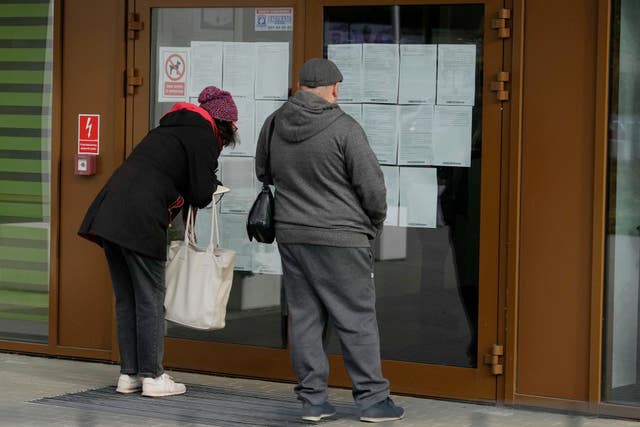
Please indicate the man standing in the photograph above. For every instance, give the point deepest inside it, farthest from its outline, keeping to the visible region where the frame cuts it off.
(330, 201)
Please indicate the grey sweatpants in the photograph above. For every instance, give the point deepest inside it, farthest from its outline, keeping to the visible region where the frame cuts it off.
(326, 282)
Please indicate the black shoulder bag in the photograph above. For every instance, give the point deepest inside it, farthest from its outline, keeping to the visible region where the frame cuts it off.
(260, 223)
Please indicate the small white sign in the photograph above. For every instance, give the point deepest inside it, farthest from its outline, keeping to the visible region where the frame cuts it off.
(173, 64)
(274, 19)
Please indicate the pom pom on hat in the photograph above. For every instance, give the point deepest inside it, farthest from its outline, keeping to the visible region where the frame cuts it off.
(218, 103)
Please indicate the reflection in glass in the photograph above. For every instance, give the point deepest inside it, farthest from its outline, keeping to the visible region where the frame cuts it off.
(622, 335)
(426, 278)
(25, 171)
(254, 313)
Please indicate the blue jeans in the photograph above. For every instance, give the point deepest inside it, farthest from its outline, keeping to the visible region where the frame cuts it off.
(139, 288)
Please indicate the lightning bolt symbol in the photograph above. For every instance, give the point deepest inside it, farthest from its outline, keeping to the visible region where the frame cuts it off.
(88, 127)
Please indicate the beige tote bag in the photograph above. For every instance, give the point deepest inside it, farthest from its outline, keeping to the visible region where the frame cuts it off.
(198, 280)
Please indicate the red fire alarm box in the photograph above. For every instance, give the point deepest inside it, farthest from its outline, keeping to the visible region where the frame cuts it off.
(85, 164)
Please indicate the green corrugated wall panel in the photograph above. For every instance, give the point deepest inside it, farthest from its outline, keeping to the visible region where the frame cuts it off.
(20, 210)
(8, 231)
(24, 77)
(24, 32)
(9, 253)
(24, 10)
(23, 197)
(32, 299)
(35, 199)
(25, 54)
(24, 122)
(23, 165)
(24, 316)
(27, 143)
(26, 99)
(26, 188)
(24, 276)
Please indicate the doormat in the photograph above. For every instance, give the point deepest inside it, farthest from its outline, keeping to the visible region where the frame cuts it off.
(208, 405)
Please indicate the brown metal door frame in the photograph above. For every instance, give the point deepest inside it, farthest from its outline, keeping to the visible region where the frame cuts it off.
(406, 377)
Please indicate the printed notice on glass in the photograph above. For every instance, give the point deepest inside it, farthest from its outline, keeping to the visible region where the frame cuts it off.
(452, 136)
(417, 74)
(263, 110)
(233, 235)
(206, 66)
(348, 58)
(237, 174)
(266, 259)
(418, 197)
(354, 110)
(238, 69)
(380, 64)
(173, 72)
(456, 74)
(415, 142)
(392, 182)
(274, 19)
(272, 80)
(381, 126)
(246, 145)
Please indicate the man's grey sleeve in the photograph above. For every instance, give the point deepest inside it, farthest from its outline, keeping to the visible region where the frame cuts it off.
(262, 154)
(366, 175)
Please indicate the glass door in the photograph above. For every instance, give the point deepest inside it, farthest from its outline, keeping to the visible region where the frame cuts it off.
(426, 260)
(184, 48)
(417, 79)
(224, 47)
(621, 370)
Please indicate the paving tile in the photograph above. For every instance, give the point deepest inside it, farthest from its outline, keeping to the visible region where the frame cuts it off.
(27, 378)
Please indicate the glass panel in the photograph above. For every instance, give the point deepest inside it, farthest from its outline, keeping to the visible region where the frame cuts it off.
(254, 315)
(25, 165)
(622, 306)
(427, 256)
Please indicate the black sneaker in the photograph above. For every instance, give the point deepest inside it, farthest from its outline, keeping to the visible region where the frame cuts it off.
(382, 411)
(317, 412)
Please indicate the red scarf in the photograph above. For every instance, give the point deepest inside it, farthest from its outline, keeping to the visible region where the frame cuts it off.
(191, 107)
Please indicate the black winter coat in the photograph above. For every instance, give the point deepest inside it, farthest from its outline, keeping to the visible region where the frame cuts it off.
(178, 158)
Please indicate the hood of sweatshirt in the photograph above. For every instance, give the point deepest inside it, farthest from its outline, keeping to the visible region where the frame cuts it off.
(305, 115)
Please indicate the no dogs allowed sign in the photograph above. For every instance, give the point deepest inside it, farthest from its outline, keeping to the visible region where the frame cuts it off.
(173, 73)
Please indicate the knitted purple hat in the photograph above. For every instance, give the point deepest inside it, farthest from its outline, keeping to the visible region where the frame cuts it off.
(218, 103)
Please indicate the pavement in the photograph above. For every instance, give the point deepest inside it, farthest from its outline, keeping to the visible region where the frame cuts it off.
(26, 378)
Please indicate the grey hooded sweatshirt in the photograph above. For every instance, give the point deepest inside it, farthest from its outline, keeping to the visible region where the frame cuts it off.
(329, 186)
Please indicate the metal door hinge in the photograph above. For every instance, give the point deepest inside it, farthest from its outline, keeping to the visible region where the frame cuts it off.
(134, 25)
(499, 86)
(493, 359)
(133, 80)
(500, 23)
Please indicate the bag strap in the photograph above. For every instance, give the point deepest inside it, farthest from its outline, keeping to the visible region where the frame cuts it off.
(189, 228)
(268, 165)
(214, 227)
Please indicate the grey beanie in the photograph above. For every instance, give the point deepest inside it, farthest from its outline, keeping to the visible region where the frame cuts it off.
(319, 72)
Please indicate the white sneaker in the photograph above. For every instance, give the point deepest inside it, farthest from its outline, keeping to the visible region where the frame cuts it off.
(129, 384)
(161, 386)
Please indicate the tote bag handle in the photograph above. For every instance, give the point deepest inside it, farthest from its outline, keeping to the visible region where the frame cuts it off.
(189, 229)
(214, 227)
